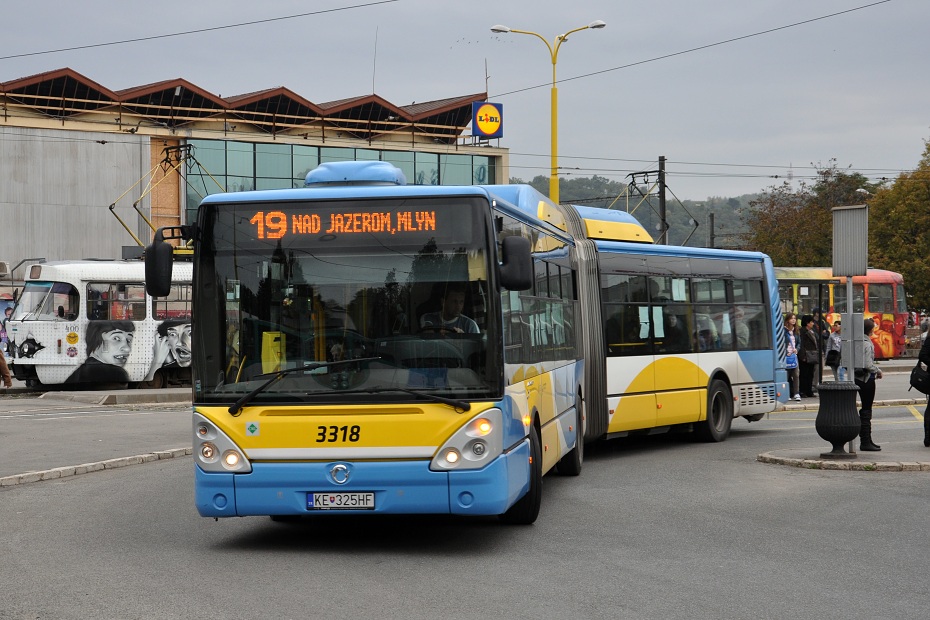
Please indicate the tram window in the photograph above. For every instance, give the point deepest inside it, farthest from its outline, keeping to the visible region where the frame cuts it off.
(115, 301)
(177, 305)
(881, 298)
(61, 304)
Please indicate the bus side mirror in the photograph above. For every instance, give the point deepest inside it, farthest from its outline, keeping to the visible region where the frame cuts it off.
(159, 258)
(516, 268)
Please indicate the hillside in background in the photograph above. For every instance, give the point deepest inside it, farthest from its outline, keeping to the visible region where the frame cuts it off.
(643, 203)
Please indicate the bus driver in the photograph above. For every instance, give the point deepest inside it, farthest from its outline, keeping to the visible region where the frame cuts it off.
(449, 319)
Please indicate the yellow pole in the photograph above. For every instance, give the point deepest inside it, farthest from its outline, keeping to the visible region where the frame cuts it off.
(554, 104)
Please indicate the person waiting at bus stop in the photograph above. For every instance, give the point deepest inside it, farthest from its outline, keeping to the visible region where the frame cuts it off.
(865, 376)
(924, 357)
(5, 372)
(835, 351)
(809, 355)
(792, 338)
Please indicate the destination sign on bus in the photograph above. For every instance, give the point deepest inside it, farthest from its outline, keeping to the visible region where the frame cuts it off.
(277, 224)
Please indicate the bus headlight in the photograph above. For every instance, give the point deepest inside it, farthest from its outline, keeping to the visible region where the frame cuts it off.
(208, 452)
(231, 459)
(474, 445)
(214, 451)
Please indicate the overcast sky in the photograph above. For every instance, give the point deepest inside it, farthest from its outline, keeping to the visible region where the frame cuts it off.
(728, 116)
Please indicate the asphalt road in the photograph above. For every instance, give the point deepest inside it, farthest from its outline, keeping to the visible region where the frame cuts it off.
(659, 528)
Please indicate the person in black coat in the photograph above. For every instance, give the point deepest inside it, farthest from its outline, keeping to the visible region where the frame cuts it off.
(809, 356)
(924, 357)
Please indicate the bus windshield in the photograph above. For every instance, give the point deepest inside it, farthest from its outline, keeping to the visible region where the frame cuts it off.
(403, 282)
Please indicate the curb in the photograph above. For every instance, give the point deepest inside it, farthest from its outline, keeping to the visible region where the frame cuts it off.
(125, 397)
(86, 468)
(855, 465)
(814, 405)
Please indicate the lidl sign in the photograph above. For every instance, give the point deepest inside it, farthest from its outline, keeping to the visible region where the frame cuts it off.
(487, 119)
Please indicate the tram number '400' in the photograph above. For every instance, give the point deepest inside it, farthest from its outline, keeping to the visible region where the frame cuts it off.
(331, 434)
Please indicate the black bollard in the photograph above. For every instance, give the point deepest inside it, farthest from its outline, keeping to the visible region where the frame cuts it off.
(838, 419)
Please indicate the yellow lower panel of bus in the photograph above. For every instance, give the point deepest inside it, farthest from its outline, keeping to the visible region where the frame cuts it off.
(404, 431)
(671, 390)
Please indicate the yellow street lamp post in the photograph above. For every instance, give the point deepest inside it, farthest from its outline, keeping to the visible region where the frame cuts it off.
(554, 54)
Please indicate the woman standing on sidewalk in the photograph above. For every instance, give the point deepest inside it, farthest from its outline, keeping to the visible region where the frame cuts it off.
(809, 355)
(865, 379)
(791, 355)
(924, 357)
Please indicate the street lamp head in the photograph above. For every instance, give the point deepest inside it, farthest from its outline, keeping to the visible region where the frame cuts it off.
(499, 28)
(597, 24)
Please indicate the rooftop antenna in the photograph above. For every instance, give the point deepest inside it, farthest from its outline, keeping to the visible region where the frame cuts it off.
(374, 62)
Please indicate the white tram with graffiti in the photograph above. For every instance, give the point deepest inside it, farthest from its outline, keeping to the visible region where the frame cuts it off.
(91, 322)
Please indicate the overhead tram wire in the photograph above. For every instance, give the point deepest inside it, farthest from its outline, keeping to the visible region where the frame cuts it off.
(198, 31)
(693, 49)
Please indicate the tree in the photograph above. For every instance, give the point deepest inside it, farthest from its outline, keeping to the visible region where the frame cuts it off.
(795, 227)
(899, 230)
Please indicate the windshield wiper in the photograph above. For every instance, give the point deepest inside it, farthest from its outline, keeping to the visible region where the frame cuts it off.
(239, 404)
(452, 402)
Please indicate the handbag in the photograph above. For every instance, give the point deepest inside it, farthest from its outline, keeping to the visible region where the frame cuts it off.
(811, 356)
(833, 357)
(791, 361)
(920, 379)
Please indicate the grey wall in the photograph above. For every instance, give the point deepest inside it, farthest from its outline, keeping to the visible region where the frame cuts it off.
(55, 190)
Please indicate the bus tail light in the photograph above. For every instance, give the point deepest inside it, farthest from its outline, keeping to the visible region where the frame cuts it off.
(474, 445)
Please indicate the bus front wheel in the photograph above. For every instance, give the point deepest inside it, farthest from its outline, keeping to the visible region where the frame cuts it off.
(719, 413)
(525, 511)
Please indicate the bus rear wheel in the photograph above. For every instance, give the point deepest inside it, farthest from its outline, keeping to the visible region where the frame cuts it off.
(525, 511)
(570, 464)
(719, 413)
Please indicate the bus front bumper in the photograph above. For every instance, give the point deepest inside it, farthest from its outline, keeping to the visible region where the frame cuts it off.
(402, 487)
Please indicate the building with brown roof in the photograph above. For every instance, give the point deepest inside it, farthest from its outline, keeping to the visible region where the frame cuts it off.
(75, 153)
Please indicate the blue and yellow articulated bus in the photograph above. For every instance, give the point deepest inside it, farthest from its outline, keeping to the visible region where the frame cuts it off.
(367, 346)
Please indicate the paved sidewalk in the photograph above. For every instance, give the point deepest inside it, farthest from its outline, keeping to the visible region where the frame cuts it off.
(907, 456)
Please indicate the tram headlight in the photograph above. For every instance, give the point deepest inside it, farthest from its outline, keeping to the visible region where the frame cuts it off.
(214, 451)
(474, 445)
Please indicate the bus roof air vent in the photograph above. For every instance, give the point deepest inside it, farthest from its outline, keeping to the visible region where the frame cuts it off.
(355, 173)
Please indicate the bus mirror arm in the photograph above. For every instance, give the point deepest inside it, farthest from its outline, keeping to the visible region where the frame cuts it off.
(516, 267)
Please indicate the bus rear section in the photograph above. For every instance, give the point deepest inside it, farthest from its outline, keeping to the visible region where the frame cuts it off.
(349, 355)
(691, 338)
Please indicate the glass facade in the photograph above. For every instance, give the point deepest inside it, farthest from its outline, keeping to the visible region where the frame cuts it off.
(219, 165)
